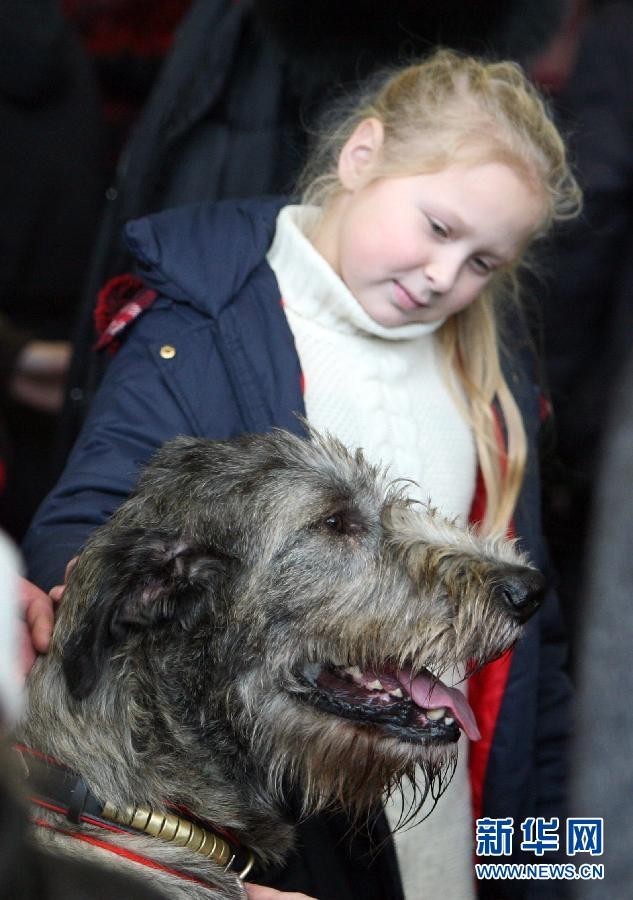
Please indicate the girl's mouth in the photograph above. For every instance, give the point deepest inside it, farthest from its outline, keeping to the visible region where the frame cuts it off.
(408, 301)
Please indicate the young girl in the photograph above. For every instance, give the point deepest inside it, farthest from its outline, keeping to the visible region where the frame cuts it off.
(381, 308)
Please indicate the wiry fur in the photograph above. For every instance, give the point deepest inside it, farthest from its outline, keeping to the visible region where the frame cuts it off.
(177, 668)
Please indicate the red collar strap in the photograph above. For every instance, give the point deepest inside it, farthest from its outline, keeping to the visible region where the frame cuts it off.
(57, 788)
(121, 851)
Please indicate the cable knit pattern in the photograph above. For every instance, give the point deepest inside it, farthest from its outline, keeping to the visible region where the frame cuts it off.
(382, 389)
(373, 387)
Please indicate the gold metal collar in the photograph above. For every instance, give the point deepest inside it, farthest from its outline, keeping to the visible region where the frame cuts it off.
(174, 829)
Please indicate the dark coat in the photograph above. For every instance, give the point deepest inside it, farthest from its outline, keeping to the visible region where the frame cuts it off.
(232, 367)
(51, 166)
(51, 185)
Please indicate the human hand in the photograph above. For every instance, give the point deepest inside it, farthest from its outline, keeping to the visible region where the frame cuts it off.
(39, 616)
(56, 593)
(39, 375)
(256, 892)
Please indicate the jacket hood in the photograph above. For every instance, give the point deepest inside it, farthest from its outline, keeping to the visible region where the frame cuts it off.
(202, 254)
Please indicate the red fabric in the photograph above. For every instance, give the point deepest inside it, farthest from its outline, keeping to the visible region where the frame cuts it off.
(544, 408)
(119, 303)
(485, 695)
(487, 686)
(134, 27)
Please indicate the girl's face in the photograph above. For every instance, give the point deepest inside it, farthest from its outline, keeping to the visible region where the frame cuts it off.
(421, 247)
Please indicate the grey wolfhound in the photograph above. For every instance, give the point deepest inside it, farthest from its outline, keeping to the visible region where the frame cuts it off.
(262, 614)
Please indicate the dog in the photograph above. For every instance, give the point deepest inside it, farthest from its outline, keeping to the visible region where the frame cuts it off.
(262, 615)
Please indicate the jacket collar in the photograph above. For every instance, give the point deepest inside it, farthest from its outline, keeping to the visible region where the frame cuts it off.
(203, 254)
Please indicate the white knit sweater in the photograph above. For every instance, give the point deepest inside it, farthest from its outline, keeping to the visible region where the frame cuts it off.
(382, 389)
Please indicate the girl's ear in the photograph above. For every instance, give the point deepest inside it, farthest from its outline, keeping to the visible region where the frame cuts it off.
(360, 153)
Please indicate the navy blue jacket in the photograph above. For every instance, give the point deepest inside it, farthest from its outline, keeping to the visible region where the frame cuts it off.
(235, 369)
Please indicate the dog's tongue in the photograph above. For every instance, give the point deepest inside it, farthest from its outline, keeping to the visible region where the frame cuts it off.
(428, 693)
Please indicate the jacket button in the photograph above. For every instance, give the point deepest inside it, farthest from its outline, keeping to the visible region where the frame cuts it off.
(167, 351)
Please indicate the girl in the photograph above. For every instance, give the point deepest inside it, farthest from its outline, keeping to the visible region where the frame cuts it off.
(381, 309)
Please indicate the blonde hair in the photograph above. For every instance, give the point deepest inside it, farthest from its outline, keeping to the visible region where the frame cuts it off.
(452, 109)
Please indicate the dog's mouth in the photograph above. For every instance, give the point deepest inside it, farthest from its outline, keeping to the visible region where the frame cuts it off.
(417, 709)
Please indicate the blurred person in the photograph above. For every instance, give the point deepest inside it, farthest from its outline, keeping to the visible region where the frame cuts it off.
(587, 304)
(73, 76)
(126, 42)
(32, 373)
(51, 194)
(602, 780)
(10, 669)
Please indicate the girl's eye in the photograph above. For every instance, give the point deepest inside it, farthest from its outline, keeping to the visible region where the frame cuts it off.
(481, 265)
(437, 228)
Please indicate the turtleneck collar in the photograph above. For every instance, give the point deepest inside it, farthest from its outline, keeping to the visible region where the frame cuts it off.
(311, 288)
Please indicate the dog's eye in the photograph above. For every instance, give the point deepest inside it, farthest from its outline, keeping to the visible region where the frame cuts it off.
(343, 524)
(335, 523)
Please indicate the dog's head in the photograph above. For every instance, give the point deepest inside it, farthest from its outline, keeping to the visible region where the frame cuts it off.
(279, 596)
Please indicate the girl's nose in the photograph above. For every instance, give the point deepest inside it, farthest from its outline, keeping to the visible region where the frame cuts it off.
(442, 269)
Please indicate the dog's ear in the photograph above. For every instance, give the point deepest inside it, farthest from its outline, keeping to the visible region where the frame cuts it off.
(145, 580)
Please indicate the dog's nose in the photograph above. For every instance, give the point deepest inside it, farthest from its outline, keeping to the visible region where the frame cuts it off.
(522, 593)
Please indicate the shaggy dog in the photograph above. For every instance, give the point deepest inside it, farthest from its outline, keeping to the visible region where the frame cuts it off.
(261, 615)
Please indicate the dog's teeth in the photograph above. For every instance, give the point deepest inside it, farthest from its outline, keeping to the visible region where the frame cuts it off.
(355, 672)
(375, 686)
(436, 714)
(449, 720)
(397, 692)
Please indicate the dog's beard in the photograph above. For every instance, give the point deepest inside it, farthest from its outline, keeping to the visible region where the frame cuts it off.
(337, 763)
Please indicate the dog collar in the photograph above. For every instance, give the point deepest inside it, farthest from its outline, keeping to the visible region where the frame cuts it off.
(54, 786)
